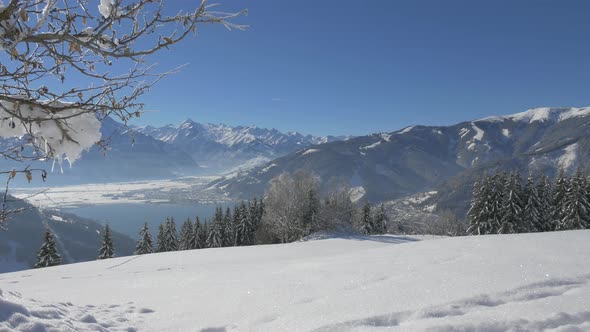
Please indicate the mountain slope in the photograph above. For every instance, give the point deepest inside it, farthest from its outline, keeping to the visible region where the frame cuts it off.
(78, 239)
(519, 282)
(221, 147)
(420, 158)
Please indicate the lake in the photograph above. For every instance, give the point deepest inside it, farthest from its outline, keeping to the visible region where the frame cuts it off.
(128, 218)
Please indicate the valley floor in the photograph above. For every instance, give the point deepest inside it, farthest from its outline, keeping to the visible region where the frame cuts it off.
(491, 283)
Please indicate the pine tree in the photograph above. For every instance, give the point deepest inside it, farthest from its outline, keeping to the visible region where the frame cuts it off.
(161, 242)
(545, 202)
(558, 195)
(215, 237)
(479, 218)
(107, 249)
(48, 255)
(170, 235)
(380, 220)
(494, 207)
(244, 226)
(512, 206)
(236, 220)
(576, 205)
(144, 245)
(196, 240)
(219, 220)
(229, 232)
(366, 226)
(310, 211)
(531, 215)
(205, 233)
(186, 235)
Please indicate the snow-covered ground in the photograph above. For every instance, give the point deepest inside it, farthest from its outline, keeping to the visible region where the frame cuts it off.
(153, 191)
(525, 282)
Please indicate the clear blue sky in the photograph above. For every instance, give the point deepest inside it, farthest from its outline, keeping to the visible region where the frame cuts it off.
(357, 67)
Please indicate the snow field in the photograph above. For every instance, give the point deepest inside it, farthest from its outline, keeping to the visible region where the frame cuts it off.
(486, 283)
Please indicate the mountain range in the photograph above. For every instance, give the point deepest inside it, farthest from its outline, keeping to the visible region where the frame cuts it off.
(218, 147)
(387, 166)
(143, 153)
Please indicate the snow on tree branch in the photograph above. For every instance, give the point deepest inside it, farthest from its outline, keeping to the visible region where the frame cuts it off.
(48, 46)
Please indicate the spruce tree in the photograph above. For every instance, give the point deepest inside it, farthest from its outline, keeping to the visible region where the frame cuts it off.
(576, 205)
(107, 249)
(366, 226)
(238, 229)
(161, 239)
(545, 202)
(512, 206)
(170, 235)
(47, 255)
(186, 235)
(229, 232)
(380, 220)
(532, 220)
(244, 226)
(215, 237)
(558, 195)
(495, 209)
(196, 240)
(144, 245)
(478, 214)
(310, 211)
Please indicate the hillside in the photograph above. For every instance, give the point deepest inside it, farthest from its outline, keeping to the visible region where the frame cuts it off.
(518, 282)
(78, 239)
(417, 159)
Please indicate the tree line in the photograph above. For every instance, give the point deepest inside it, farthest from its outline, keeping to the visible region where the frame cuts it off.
(294, 207)
(503, 203)
(223, 230)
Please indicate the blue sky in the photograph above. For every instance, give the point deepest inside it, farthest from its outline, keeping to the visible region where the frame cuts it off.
(357, 67)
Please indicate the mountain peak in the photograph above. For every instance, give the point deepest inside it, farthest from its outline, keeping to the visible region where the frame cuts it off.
(542, 114)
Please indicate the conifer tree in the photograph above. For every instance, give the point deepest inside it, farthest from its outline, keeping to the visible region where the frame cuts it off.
(512, 205)
(48, 255)
(494, 207)
(244, 226)
(576, 205)
(205, 233)
(229, 232)
(107, 249)
(215, 237)
(219, 219)
(479, 218)
(380, 220)
(144, 245)
(170, 235)
(310, 211)
(186, 235)
(237, 220)
(531, 214)
(558, 195)
(196, 240)
(545, 202)
(161, 239)
(366, 226)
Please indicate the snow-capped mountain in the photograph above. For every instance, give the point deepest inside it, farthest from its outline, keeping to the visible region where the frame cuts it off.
(222, 147)
(125, 159)
(416, 159)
